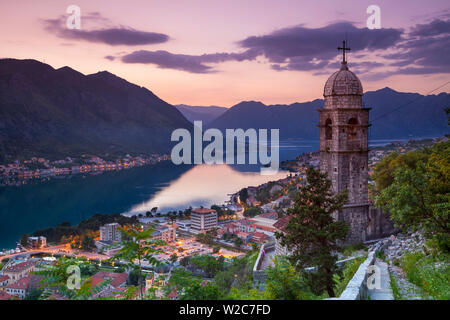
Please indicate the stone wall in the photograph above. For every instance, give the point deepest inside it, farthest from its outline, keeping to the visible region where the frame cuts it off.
(357, 287)
(379, 224)
(259, 275)
(395, 246)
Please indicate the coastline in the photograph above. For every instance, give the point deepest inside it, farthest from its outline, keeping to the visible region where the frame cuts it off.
(378, 153)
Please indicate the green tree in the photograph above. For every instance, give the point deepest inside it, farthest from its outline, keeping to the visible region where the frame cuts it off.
(285, 283)
(418, 196)
(24, 240)
(243, 195)
(57, 276)
(137, 247)
(209, 264)
(238, 242)
(252, 211)
(383, 173)
(34, 294)
(180, 278)
(312, 235)
(199, 290)
(134, 278)
(87, 241)
(173, 258)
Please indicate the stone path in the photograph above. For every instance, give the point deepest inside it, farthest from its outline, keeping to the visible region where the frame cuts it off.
(384, 291)
(408, 290)
(267, 260)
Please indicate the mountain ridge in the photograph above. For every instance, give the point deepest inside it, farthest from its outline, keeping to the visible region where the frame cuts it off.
(60, 112)
(418, 115)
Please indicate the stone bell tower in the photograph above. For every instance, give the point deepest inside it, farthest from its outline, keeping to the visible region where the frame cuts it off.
(344, 125)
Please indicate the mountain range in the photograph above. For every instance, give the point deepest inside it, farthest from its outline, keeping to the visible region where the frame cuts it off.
(55, 113)
(204, 114)
(61, 112)
(393, 115)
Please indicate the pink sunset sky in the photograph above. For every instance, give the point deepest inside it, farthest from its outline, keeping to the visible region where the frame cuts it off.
(208, 52)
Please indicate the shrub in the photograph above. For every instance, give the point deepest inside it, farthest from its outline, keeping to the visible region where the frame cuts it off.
(341, 280)
(431, 273)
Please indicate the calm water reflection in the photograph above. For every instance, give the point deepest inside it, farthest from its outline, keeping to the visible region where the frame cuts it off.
(35, 206)
(203, 185)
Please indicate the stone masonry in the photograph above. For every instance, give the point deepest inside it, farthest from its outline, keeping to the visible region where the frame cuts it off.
(344, 126)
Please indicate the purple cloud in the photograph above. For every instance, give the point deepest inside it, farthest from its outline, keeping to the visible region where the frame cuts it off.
(434, 28)
(110, 35)
(301, 48)
(190, 63)
(425, 51)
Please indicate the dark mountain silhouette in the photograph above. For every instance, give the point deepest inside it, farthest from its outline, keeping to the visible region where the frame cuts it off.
(419, 116)
(204, 114)
(61, 112)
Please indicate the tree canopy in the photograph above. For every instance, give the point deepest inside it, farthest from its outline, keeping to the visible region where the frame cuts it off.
(312, 235)
(415, 188)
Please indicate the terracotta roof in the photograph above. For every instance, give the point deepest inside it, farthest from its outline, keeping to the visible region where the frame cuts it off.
(19, 267)
(4, 278)
(117, 278)
(282, 223)
(246, 222)
(269, 215)
(261, 235)
(4, 295)
(243, 234)
(203, 210)
(173, 294)
(24, 283)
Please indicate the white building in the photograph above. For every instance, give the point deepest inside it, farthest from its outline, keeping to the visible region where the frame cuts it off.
(165, 233)
(203, 220)
(37, 242)
(110, 232)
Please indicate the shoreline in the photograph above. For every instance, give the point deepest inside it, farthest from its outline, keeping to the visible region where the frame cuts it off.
(233, 196)
(16, 175)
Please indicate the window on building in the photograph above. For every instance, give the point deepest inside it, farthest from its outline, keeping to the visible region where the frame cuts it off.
(328, 129)
(352, 132)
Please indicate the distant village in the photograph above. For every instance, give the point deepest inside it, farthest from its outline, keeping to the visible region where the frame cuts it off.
(19, 172)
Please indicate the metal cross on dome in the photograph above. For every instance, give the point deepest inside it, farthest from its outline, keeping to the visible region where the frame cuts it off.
(344, 48)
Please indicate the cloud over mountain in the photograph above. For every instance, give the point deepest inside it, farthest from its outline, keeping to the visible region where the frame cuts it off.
(379, 53)
(190, 63)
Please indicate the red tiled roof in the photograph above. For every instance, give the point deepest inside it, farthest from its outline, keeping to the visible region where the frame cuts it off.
(117, 278)
(246, 222)
(259, 234)
(203, 210)
(4, 295)
(173, 294)
(4, 278)
(269, 215)
(25, 282)
(282, 223)
(243, 234)
(19, 267)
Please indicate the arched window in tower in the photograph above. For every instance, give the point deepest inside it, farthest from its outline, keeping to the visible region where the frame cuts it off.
(328, 130)
(352, 132)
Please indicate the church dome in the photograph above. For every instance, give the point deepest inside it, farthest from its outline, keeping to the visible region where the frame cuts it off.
(343, 82)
